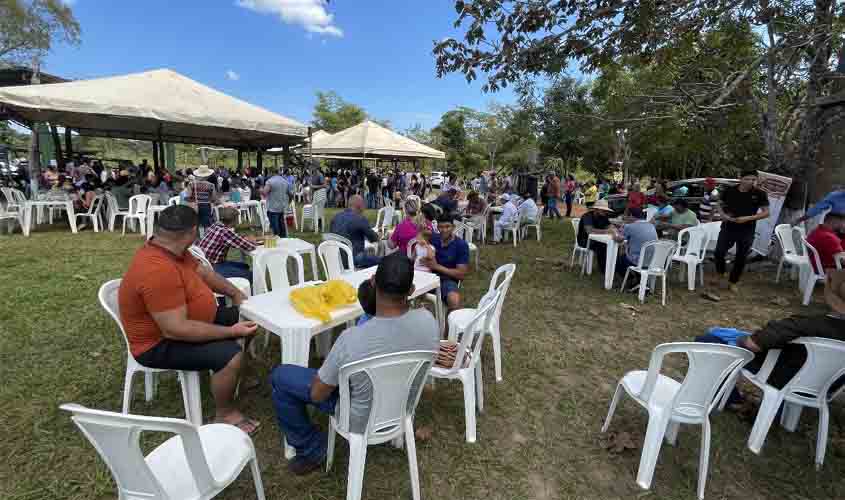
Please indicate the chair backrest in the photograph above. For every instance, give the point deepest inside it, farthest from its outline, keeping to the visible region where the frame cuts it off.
(336, 237)
(659, 254)
(275, 262)
(710, 366)
(415, 199)
(472, 338)
(10, 197)
(397, 381)
(333, 263)
(464, 231)
(697, 241)
(650, 212)
(713, 229)
(96, 205)
(19, 196)
(813, 254)
(505, 273)
(139, 203)
(199, 254)
(825, 364)
(108, 299)
(116, 437)
(111, 202)
(174, 200)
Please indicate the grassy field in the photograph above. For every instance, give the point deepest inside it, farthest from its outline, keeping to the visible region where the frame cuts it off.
(566, 343)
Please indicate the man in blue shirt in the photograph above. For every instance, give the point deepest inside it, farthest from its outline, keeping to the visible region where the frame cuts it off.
(636, 234)
(834, 201)
(450, 262)
(448, 201)
(352, 224)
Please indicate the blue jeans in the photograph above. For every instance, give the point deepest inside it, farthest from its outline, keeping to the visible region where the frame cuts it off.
(364, 260)
(553, 207)
(291, 395)
(232, 269)
(277, 224)
(371, 200)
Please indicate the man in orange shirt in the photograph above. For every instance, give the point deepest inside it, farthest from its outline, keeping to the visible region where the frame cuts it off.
(554, 195)
(171, 317)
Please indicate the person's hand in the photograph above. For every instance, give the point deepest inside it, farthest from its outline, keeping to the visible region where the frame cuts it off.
(429, 262)
(244, 329)
(239, 298)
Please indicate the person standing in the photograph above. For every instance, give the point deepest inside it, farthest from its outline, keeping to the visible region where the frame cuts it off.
(708, 209)
(554, 195)
(742, 206)
(202, 194)
(278, 192)
(569, 189)
(636, 201)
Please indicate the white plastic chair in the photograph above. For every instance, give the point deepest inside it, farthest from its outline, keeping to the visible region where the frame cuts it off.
(333, 263)
(790, 254)
(692, 254)
(814, 275)
(114, 210)
(189, 380)
(138, 205)
(14, 217)
(384, 220)
(314, 212)
(513, 229)
(13, 204)
(458, 319)
(660, 253)
(465, 232)
(291, 211)
(467, 365)
(174, 200)
(526, 224)
(808, 388)
(582, 253)
(397, 380)
(93, 212)
(713, 229)
(578, 198)
(275, 262)
(650, 212)
(198, 463)
(670, 403)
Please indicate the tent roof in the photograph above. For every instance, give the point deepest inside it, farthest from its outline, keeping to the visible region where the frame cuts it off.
(372, 140)
(156, 105)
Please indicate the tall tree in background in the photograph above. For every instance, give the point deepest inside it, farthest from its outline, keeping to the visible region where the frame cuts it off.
(29, 28)
(333, 114)
(508, 40)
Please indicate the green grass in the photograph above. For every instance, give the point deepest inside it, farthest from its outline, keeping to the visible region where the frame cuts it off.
(566, 343)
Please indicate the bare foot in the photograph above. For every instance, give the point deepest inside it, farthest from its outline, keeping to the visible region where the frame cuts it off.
(239, 420)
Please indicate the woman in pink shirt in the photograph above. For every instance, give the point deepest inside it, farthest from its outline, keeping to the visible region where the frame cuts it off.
(406, 230)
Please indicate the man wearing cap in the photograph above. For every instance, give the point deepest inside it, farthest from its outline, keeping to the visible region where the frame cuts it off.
(448, 200)
(597, 221)
(395, 328)
(742, 206)
(708, 209)
(510, 214)
(171, 317)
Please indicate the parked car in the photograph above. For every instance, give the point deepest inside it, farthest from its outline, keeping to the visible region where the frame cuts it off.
(436, 179)
(691, 190)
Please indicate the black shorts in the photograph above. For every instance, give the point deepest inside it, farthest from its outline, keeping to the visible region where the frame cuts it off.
(191, 356)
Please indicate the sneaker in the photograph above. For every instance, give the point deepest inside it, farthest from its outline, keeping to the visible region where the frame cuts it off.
(301, 466)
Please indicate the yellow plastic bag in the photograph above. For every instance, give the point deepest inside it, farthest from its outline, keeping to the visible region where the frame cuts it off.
(319, 301)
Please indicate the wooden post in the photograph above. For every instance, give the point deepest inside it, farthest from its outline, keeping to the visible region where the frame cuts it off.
(163, 153)
(240, 159)
(259, 160)
(155, 155)
(57, 143)
(68, 143)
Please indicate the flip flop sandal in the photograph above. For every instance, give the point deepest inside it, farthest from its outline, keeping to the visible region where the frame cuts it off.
(241, 423)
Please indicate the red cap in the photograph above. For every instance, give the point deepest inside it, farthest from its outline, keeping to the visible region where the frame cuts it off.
(710, 182)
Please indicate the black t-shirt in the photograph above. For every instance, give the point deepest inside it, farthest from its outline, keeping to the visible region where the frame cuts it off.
(738, 204)
(594, 219)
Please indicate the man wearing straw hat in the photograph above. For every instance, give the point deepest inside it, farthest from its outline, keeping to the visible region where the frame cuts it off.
(201, 194)
(597, 221)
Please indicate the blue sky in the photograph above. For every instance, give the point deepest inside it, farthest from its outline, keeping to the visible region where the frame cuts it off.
(278, 53)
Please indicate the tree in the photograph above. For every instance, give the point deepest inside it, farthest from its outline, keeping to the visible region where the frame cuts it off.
(28, 28)
(333, 114)
(508, 40)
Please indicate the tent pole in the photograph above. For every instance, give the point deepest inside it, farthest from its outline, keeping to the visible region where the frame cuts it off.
(259, 159)
(68, 143)
(57, 143)
(155, 155)
(162, 151)
(240, 159)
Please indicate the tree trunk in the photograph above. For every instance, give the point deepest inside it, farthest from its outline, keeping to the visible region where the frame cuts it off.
(57, 144)
(812, 127)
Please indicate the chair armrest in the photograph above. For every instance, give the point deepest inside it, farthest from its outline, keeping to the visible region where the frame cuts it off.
(768, 365)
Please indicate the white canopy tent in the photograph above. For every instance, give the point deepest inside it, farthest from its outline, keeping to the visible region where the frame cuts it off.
(159, 105)
(370, 140)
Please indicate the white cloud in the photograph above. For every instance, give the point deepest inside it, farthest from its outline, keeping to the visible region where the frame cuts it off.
(231, 75)
(310, 14)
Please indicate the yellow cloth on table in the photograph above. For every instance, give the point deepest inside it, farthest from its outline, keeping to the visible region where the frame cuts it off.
(319, 301)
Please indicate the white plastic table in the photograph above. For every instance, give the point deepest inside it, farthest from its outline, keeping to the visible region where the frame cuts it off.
(301, 247)
(152, 211)
(274, 312)
(610, 265)
(67, 206)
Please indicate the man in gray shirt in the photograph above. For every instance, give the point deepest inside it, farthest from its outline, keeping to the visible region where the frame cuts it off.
(279, 192)
(635, 234)
(395, 328)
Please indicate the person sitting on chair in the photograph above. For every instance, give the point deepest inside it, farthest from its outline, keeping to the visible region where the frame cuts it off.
(352, 225)
(528, 209)
(217, 241)
(596, 221)
(510, 215)
(828, 240)
(448, 201)
(171, 318)
(635, 234)
(395, 328)
(450, 260)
